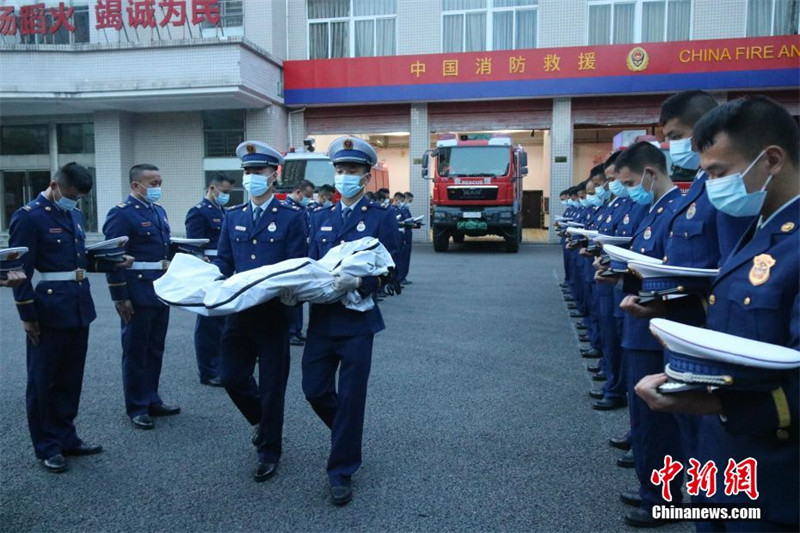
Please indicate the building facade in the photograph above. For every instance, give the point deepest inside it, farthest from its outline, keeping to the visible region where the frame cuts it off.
(179, 83)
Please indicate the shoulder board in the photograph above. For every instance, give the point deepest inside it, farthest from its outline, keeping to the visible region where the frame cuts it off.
(289, 207)
(122, 205)
(29, 207)
(237, 206)
(198, 206)
(376, 205)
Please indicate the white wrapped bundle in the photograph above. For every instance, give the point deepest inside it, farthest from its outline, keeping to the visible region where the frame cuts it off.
(192, 284)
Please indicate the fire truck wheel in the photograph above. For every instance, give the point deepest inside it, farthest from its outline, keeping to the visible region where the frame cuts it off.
(441, 241)
(458, 238)
(513, 240)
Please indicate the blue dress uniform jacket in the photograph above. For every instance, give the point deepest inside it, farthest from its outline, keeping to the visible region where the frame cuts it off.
(260, 333)
(64, 310)
(649, 240)
(148, 230)
(699, 236)
(756, 296)
(56, 243)
(328, 230)
(204, 221)
(280, 234)
(143, 337)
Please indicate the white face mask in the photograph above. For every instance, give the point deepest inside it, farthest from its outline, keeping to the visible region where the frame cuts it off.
(729, 193)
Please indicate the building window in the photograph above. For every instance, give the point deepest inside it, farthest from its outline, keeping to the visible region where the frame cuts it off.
(351, 28)
(223, 130)
(79, 20)
(475, 25)
(24, 140)
(75, 138)
(772, 17)
(231, 15)
(639, 21)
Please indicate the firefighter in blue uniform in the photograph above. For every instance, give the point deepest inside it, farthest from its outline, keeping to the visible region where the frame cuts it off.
(301, 198)
(262, 231)
(750, 150)
(642, 168)
(204, 221)
(339, 338)
(404, 254)
(408, 245)
(57, 313)
(143, 318)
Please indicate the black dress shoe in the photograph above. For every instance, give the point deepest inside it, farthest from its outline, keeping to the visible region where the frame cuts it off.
(600, 376)
(620, 443)
(596, 394)
(593, 369)
(341, 494)
(571, 306)
(591, 353)
(584, 338)
(631, 497)
(297, 341)
(164, 410)
(642, 518)
(563, 285)
(581, 327)
(212, 382)
(626, 461)
(264, 471)
(84, 449)
(406, 282)
(142, 422)
(577, 315)
(608, 404)
(55, 464)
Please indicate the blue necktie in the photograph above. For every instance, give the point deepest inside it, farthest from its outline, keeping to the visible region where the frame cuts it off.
(257, 213)
(346, 212)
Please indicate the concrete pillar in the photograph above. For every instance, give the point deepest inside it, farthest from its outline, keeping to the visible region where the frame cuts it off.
(419, 141)
(560, 158)
(114, 153)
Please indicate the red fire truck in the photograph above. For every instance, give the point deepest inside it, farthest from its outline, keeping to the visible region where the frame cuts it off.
(317, 168)
(477, 188)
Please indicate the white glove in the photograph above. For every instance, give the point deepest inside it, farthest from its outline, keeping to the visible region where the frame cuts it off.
(288, 296)
(343, 282)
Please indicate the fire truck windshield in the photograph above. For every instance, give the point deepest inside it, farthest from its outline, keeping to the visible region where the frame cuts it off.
(473, 161)
(317, 171)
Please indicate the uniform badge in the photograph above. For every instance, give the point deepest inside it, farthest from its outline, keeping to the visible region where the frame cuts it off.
(272, 227)
(786, 228)
(361, 226)
(647, 234)
(759, 273)
(56, 230)
(691, 211)
(146, 224)
(240, 228)
(660, 210)
(626, 220)
(326, 228)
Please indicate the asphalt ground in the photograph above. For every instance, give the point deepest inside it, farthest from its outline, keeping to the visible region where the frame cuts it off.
(477, 419)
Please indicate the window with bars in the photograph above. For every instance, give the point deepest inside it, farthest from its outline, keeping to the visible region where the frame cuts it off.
(351, 28)
(475, 25)
(231, 15)
(772, 17)
(639, 21)
(223, 131)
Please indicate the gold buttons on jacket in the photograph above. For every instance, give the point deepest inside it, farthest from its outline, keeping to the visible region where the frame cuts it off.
(252, 256)
(139, 276)
(49, 291)
(255, 241)
(747, 301)
(712, 299)
(665, 258)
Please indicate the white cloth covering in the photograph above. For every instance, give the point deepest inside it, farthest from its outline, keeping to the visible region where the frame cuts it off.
(194, 285)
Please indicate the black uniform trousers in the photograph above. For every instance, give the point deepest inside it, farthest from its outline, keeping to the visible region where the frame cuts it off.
(55, 379)
(142, 353)
(259, 334)
(207, 335)
(341, 410)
